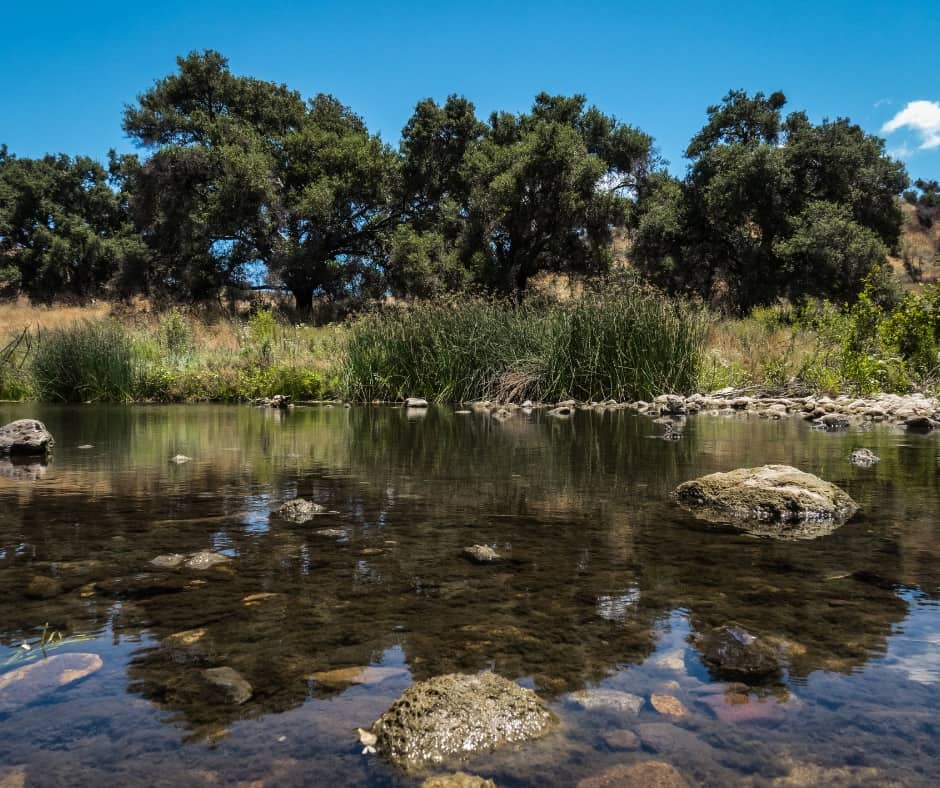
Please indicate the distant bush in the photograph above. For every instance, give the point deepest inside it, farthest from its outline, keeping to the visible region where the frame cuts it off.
(625, 341)
(92, 361)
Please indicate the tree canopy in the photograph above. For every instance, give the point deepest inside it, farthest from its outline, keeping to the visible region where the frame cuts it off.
(771, 207)
(238, 178)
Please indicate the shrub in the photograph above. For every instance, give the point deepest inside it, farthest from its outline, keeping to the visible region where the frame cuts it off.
(622, 341)
(91, 361)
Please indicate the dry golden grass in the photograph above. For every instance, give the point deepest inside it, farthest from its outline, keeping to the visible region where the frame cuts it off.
(19, 314)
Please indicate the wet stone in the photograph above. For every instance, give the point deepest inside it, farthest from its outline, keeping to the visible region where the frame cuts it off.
(864, 458)
(774, 495)
(42, 587)
(230, 682)
(608, 700)
(480, 554)
(622, 740)
(205, 560)
(180, 459)
(644, 774)
(169, 561)
(458, 780)
(741, 707)
(25, 436)
(731, 650)
(299, 510)
(457, 714)
(668, 705)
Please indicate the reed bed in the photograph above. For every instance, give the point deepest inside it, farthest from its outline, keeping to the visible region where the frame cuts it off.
(619, 341)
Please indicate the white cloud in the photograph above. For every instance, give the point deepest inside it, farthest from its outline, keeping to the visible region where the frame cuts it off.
(921, 117)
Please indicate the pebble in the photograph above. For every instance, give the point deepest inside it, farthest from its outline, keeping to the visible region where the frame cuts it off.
(668, 705)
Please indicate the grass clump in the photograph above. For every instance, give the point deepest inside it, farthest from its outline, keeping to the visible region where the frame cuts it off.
(622, 341)
(92, 361)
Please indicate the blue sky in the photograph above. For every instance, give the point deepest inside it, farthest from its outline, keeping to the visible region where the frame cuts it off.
(67, 69)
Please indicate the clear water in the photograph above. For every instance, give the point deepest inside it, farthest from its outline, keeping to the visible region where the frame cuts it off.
(606, 584)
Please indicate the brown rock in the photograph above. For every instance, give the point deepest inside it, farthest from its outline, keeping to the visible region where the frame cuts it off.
(668, 705)
(345, 677)
(13, 777)
(645, 774)
(622, 740)
(230, 682)
(42, 587)
(25, 436)
(458, 780)
(24, 685)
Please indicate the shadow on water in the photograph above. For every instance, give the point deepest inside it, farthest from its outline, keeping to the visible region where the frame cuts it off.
(602, 582)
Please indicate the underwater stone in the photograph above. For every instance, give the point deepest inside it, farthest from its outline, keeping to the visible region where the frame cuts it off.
(455, 715)
(231, 682)
(645, 774)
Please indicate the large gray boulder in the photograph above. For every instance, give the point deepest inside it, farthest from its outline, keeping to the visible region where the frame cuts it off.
(456, 715)
(776, 500)
(25, 436)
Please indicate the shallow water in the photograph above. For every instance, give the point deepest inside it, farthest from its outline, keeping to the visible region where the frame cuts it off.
(605, 584)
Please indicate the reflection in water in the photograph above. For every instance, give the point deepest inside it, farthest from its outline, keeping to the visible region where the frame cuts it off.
(778, 656)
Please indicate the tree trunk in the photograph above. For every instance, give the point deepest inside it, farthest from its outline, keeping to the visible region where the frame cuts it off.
(303, 299)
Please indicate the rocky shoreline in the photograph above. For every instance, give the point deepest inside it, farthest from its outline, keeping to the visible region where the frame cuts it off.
(916, 412)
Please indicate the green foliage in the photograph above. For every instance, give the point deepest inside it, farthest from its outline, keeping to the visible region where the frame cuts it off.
(62, 230)
(771, 208)
(88, 362)
(620, 342)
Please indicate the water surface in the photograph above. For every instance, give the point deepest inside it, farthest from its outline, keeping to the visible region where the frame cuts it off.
(606, 584)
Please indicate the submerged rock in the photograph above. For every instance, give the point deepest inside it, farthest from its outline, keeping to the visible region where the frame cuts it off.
(230, 682)
(24, 685)
(205, 560)
(299, 510)
(25, 436)
(180, 459)
(778, 494)
(668, 705)
(458, 780)
(864, 458)
(644, 774)
(733, 651)
(168, 561)
(456, 715)
(608, 700)
(622, 739)
(481, 554)
(43, 587)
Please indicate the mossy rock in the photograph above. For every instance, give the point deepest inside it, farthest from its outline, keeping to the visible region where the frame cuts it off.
(457, 715)
(774, 500)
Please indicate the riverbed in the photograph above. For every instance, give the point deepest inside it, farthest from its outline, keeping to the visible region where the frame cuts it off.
(604, 589)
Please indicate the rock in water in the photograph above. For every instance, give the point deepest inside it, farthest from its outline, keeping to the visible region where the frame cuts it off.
(180, 459)
(481, 554)
(25, 436)
(457, 715)
(864, 458)
(24, 685)
(778, 495)
(736, 653)
(416, 402)
(230, 682)
(299, 510)
(608, 700)
(205, 560)
(645, 774)
(458, 780)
